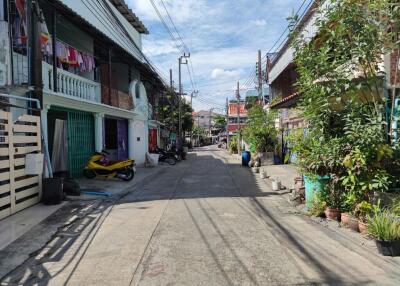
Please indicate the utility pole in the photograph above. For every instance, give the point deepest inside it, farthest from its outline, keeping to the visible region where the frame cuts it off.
(209, 123)
(238, 118)
(172, 98)
(180, 91)
(260, 80)
(198, 134)
(36, 51)
(191, 106)
(227, 123)
(191, 97)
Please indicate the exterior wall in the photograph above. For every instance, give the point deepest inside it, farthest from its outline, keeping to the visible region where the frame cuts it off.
(233, 109)
(5, 61)
(139, 136)
(202, 119)
(283, 85)
(95, 14)
(232, 116)
(286, 55)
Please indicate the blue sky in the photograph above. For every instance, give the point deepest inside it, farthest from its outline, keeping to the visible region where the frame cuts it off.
(223, 37)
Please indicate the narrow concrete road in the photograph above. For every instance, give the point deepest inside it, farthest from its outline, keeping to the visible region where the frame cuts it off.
(205, 221)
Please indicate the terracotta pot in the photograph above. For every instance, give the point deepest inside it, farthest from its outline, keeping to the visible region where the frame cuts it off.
(332, 213)
(362, 227)
(353, 224)
(344, 218)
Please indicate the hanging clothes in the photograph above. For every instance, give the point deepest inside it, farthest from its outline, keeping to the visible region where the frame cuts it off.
(20, 23)
(70, 59)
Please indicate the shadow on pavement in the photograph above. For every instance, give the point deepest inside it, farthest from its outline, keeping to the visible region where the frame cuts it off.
(201, 176)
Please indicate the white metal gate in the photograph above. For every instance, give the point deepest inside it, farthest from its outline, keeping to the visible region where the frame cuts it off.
(17, 189)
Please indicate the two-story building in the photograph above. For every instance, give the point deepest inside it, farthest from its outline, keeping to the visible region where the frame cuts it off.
(205, 120)
(98, 90)
(283, 75)
(236, 110)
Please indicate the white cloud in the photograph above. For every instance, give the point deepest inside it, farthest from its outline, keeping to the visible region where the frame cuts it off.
(223, 37)
(259, 23)
(224, 74)
(162, 47)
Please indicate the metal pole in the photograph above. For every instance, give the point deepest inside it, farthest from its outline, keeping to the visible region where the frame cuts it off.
(260, 84)
(191, 106)
(209, 121)
(227, 123)
(172, 99)
(238, 117)
(36, 60)
(109, 76)
(53, 43)
(198, 134)
(180, 100)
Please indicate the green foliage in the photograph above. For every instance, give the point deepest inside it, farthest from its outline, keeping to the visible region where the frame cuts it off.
(363, 210)
(198, 131)
(318, 204)
(260, 130)
(316, 156)
(346, 136)
(233, 144)
(250, 102)
(384, 225)
(395, 206)
(169, 113)
(220, 122)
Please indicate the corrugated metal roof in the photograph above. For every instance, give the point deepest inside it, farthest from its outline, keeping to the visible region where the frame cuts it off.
(106, 18)
(130, 16)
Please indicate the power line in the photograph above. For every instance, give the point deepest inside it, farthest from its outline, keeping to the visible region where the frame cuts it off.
(251, 78)
(127, 39)
(182, 47)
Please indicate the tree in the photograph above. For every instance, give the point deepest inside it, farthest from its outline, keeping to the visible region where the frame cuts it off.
(342, 98)
(220, 122)
(169, 111)
(260, 131)
(250, 101)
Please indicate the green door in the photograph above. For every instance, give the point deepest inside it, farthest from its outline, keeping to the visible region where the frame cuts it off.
(80, 141)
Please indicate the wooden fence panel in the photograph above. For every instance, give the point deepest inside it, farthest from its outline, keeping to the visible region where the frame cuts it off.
(18, 190)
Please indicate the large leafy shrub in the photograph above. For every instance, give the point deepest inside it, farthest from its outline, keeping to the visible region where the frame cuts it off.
(260, 131)
(342, 96)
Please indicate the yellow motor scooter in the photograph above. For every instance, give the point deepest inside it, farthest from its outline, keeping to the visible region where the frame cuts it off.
(99, 166)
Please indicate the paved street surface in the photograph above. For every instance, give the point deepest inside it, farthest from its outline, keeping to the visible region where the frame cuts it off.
(205, 221)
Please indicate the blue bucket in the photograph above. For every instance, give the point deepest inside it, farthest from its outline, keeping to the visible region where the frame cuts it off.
(245, 158)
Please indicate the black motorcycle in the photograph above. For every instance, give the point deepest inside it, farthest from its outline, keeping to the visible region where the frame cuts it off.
(165, 156)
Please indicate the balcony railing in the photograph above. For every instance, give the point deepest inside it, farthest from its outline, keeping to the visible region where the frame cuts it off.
(71, 84)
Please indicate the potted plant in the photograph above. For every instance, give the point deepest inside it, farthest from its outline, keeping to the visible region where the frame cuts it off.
(333, 201)
(318, 205)
(261, 134)
(349, 200)
(362, 210)
(384, 226)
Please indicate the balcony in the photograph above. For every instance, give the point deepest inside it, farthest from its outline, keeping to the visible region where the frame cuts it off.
(71, 85)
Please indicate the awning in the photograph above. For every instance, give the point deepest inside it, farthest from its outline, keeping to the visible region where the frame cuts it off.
(286, 102)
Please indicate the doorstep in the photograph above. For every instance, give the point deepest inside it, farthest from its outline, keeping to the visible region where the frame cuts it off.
(16, 225)
(113, 187)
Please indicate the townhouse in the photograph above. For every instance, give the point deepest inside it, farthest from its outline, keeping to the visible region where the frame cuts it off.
(98, 90)
(282, 77)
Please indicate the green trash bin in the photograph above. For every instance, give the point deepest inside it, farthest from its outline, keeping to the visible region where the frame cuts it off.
(314, 185)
